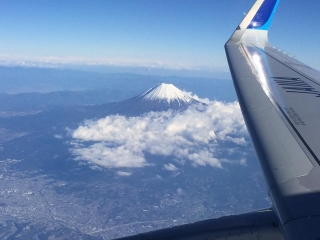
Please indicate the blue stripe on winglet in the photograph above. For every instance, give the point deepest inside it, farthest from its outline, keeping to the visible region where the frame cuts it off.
(264, 16)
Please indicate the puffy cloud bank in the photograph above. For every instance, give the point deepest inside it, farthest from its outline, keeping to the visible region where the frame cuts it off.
(122, 142)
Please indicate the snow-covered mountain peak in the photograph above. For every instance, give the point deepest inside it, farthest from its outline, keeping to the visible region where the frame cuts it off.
(159, 98)
(166, 92)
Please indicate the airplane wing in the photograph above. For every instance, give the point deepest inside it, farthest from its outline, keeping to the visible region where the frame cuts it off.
(257, 225)
(280, 101)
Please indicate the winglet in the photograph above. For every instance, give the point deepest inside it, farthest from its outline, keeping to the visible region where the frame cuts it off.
(264, 16)
(255, 25)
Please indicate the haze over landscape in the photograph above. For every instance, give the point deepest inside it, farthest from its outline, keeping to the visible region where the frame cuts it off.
(125, 154)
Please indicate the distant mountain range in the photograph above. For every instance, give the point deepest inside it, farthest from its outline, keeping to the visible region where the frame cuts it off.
(158, 98)
(22, 88)
(40, 101)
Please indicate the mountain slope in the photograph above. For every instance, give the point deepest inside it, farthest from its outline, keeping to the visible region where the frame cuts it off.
(159, 98)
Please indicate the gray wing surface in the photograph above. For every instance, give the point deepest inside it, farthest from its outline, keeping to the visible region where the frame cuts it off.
(280, 101)
(249, 226)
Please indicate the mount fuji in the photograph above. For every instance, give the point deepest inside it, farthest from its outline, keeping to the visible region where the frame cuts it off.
(159, 98)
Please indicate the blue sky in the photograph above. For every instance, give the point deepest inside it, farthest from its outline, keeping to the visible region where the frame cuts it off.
(162, 34)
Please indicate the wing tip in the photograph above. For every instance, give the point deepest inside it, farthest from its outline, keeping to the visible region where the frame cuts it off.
(264, 16)
(256, 22)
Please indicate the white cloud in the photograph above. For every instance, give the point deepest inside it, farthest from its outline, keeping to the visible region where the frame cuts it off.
(62, 61)
(96, 167)
(124, 174)
(243, 162)
(59, 136)
(158, 177)
(179, 191)
(117, 157)
(189, 136)
(204, 100)
(170, 167)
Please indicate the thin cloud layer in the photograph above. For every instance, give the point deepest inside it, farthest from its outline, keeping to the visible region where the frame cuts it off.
(122, 142)
(124, 174)
(62, 61)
